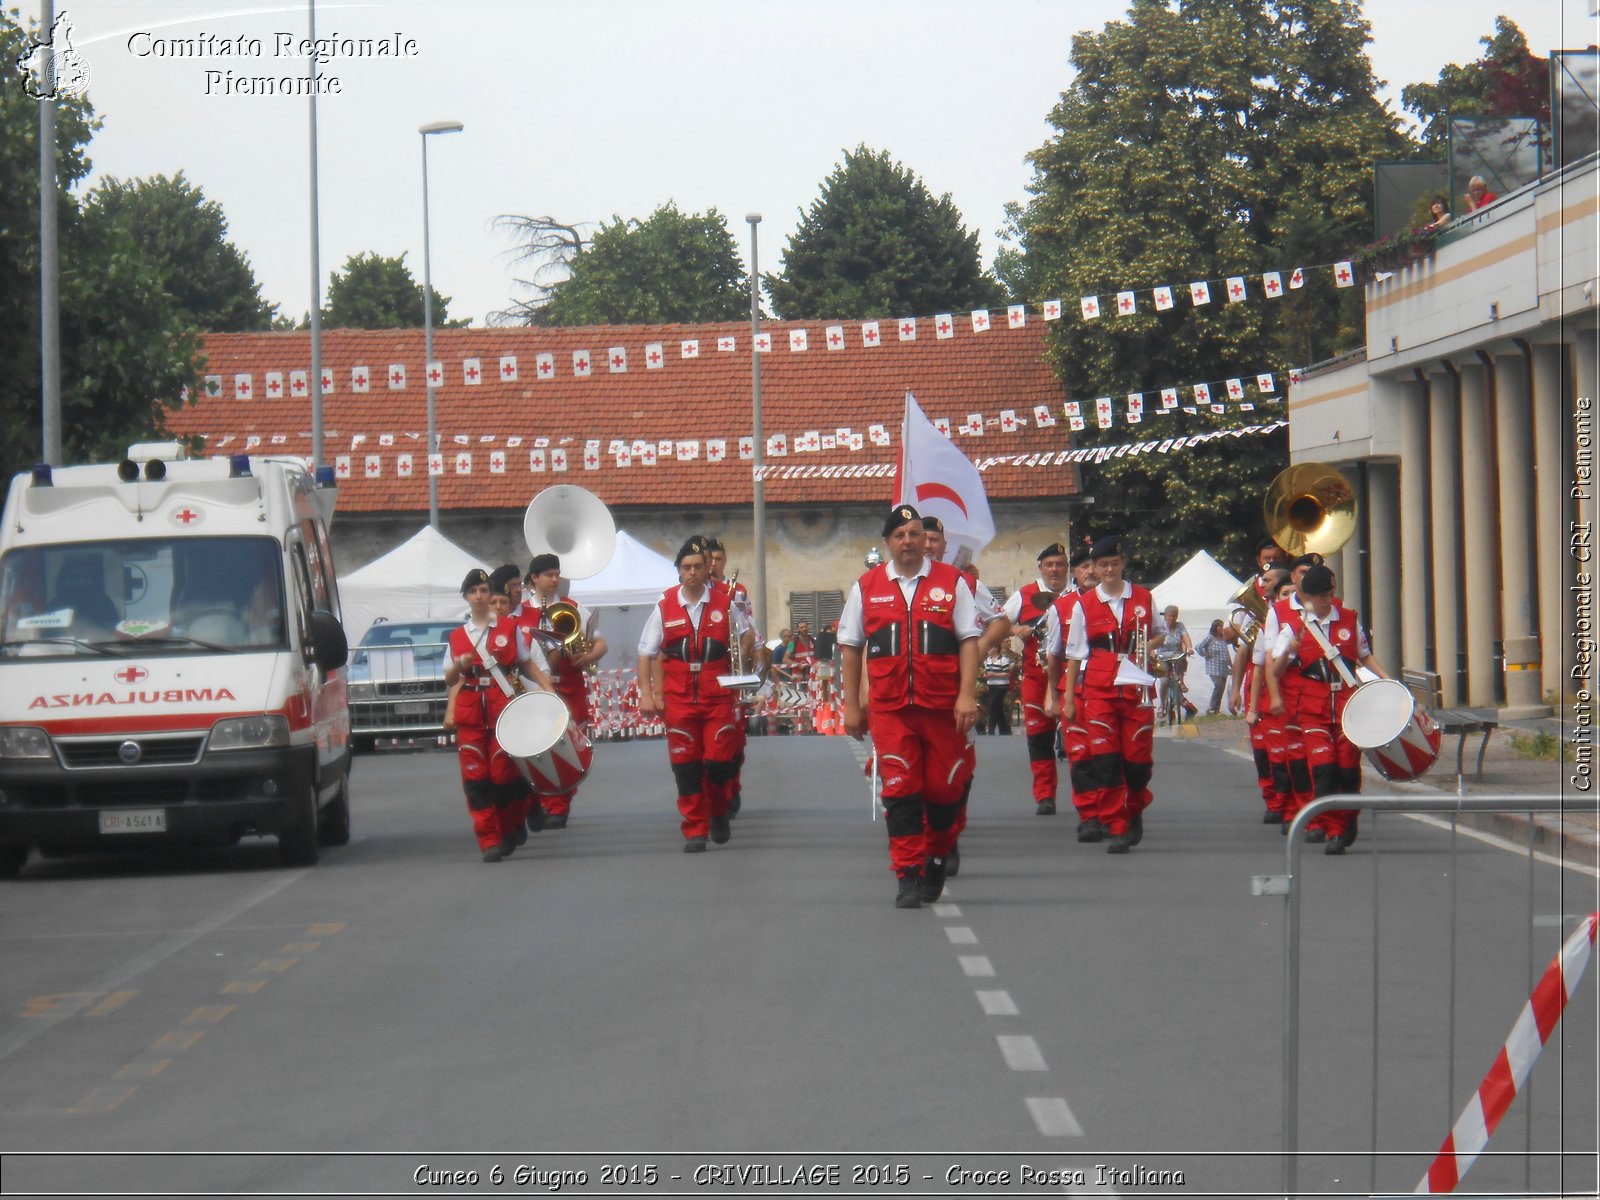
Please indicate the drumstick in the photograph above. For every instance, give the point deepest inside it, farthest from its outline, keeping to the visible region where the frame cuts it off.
(873, 798)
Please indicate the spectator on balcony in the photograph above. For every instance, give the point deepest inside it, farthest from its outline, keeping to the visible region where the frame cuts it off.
(1478, 194)
(1439, 212)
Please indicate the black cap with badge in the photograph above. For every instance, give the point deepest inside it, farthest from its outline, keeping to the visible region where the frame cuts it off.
(474, 577)
(1109, 546)
(501, 576)
(1318, 581)
(900, 514)
(1053, 550)
(695, 545)
(542, 563)
(933, 524)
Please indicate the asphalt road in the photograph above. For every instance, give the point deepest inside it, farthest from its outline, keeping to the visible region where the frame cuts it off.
(213, 1022)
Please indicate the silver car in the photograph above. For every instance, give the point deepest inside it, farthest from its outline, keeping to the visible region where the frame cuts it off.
(397, 687)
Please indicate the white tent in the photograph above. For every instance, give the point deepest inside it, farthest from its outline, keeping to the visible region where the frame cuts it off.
(624, 592)
(1201, 589)
(418, 580)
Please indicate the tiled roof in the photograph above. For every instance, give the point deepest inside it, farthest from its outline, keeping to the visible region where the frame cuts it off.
(684, 399)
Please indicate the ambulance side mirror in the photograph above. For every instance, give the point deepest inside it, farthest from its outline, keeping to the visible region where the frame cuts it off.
(329, 648)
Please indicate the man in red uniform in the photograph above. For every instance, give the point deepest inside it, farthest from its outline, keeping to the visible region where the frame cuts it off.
(739, 598)
(489, 778)
(1100, 639)
(915, 623)
(1028, 610)
(683, 648)
(1266, 584)
(1074, 735)
(571, 672)
(1281, 736)
(1306, 686)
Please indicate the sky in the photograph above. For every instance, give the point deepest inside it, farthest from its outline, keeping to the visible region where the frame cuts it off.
(613, 107)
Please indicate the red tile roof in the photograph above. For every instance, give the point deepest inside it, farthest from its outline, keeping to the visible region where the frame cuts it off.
(685, 399)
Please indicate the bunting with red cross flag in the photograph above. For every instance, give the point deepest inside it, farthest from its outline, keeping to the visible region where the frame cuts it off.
(272, 385)
(397, 376)
(508, 368)
(472, 371)
(870, 334)
(359, 377)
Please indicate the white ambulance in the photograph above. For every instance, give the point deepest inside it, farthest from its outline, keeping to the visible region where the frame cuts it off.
(171, 658)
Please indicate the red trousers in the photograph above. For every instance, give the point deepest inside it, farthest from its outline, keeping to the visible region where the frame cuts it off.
(701, 745)
(1270, 735)
(1118, 767)
(495, 793)
(925, 764)
(578, 708)
(1321, 761)
(1075, 747)
(1041, 731)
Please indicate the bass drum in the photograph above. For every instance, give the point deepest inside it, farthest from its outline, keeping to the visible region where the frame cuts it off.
(1399, 738)
(551, 752)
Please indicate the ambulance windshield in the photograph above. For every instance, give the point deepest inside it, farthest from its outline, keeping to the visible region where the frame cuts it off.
(144, 596)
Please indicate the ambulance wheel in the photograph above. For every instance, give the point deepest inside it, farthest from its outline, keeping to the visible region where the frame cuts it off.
(300, 846)
(11, 860)
(335, 828)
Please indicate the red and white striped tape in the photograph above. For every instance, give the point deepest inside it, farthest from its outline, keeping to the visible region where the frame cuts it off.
(1513, 1064)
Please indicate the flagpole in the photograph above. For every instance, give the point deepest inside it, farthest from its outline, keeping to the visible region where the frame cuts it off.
(759, 513)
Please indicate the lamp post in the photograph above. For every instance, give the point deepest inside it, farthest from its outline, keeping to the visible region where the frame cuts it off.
(759, 516)
(873, 559)
(427, 316)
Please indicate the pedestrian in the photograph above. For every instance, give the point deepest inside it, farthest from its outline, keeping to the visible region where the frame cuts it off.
(997, 674)
(1177, 646)
(1219, 665)
(915, 623)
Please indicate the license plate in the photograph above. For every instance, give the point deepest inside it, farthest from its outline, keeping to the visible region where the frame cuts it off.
(139, 820)
(412, 708)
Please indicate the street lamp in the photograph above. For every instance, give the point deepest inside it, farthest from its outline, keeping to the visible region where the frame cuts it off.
(427, 316)
(760, 514)
(873, 559)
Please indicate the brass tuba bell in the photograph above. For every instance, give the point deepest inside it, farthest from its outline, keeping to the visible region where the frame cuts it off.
(1310, 508)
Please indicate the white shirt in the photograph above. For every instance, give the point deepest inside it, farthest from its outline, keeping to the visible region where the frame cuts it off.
(1077, 644)
(983, 599)
(650, 639)
(852, 630)
(1269, 630)
(1283, 643)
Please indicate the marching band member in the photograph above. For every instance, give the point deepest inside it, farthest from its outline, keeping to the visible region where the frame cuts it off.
(488, 777)
(1022, 610)
(1100, 637)
(683, 648)
(1305, 686)
(739, 597)
(1074, 735)
(915, 623)
(1267, 729)
(1282, 735)
(1266, 583)
(571, 674)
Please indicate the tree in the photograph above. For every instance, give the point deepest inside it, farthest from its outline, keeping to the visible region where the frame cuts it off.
(380, 293)
(1212, 139)
(1508, 81)
(672, 267)
(876, 243)
(185, 237)
(546, 247)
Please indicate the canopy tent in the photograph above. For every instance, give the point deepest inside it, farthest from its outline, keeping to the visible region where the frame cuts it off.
(418, 580)
(1201, 589)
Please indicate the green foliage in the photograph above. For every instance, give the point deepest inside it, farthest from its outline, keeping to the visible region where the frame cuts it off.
(672, 267)
(185, 237)
(375, 292)
(877, 243)
(126, 350)
(1217, 138)
(1541, 745)
(1508, 81)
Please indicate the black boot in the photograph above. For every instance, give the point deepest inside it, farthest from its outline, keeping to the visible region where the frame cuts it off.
(1135, 829)
(932, 879)
(952, 862)
(1091, 831)
(909, 893)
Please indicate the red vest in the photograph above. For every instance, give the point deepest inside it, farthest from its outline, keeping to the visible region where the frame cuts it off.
(1032, 672)
(1344, 635)
(1114, 639)
(913, 655)
(481, 699)
(569, 679)
(1065, 603)
(691, 659)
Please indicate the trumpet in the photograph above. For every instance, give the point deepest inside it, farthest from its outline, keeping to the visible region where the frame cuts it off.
(747, 682)
(1141, 655)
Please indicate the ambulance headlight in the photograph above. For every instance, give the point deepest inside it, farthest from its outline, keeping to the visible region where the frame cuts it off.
(249, 733)
(24, 741)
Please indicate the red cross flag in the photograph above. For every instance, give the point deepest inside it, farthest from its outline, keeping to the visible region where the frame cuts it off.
(341, 466)
(835, 337)
(1135, 418)
(689, 451)
(558, 460)
(1247, 407)
(944, 326)
(327, 381)
(1190, 409)
(1295, 375)
(508, 368)
(1090, 306)
(536, 461)
(464, 462)
(797, 340)
(1219, 409)
(648, 457)
(358, 378)
(842, 434)
(1235, 389)
(1236, 291)
(908, 329)
(213, 385)
(1052, 310)
(617, 359)
(1200, 293)
(386, 439)
(272, 385)
(397, 376)
(747, 447)
(581, 364)
(1103, 412)
(402, 466)
(654, 359)
(1008, 420)
(1126, 304)
(664, 447)
(1077, 424)
(1342, 275)
(1135, 403)
(1202, 393)
(279, 439)
(299, 383)
(462, 439)
(435, 464)
(1042, 416)
(1272, 284)
(1169, 398)
(942, 482)
(591, 458)
(374, 466)
(857, 441)
(497, 462)
(242, 388)
(1297, 279)
(689, 348)
(1265, 384)
(716, 449)
(778, 446)
(472, 371)
(879, 434)
(727, 343)
(942, 424)
(1163, 298)
(435, 374)
(1017, 315)
(624, 456)
(870, 334)
(974, 427)
(763, 343)
(980, 320)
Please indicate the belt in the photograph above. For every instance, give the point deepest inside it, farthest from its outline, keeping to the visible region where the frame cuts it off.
(1105, 642)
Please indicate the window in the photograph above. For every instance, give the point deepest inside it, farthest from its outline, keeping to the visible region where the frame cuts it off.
(816, 609)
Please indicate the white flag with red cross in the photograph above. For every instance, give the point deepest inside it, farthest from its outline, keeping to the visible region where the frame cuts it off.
(1265, 384)
(299, 384)
(1017, 315)
(1072, 408)
(591, 456)
(464, 462)
(942, 424)
(272, 385)
(243, 388)
(689, 348)
(1343, 276)
(1042, 416)
(688, 450)
(857, 441)
(435, 374)
(402, 466)
(558, 460)
(908, 329)
(980, 320)
(359, 379)
(1297, 279)
(397, 377)
(1235, 389)
(386, 439)
(374, 466)
(834, 334)
(871, 335)
(435, 464)
(716, 449)
(536, 461)
(279, 439)
(1135, 418)
(472, 371)
(544, 366)
(1052, 310)
(1102, 412)
(1169, 398)
(1090, 306)
(327, 381)
(1236, 292)
(654, 358)
(1200, 292)
(1076, 424)
(727, 343)
(944, 326)
(648, 455)
(879, 434)
(797, 340)
(508, 368)
(1202, 393)
(1295, 375)
(341, 467)
(624, 456)
(1135, 405)
(1163, 298)
(973, 426)
(617, 360)
(762, 343)
(462, 439)
(777, 445)
(514, 441)
(747, 447)
(1008, 420)
(943, 482)
(1272, 285)
(497, 462)
(664, 447)
(1219, 409)
(582, 364)
(1126, 304)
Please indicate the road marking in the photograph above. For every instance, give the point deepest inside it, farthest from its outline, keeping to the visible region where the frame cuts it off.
(111, 1003)
(947, 910)
(176, 1041)
(960, 935)
(298, 947)
(143, 1070)
(997, 1004)
(244, 985)
(976, 965)
(102, 1100)
(1021, 1052)
(133, 968)
(44, 1006)
(1053, 1117)
(328, 930)
(274, 965)
(209, 1014)
(1500, 843)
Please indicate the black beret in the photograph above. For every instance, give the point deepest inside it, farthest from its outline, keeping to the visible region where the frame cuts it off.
(695, 545)
(542, 563)
(474, 577)
(1307, 560)
(1109, 546)
(900, 514)
(1053, 550)
(1318, 581)
(1079, 555)
(933, 524)
(500, 576)
(714, 546)
(1266, 544)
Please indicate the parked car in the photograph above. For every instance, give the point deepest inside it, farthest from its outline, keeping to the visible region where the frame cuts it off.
(397, 681)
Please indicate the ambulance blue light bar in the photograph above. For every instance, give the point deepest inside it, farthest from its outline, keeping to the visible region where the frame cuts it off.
(238, 466)
(41, 475)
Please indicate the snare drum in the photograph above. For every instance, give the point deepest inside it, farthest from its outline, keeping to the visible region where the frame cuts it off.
(1399, 738)
(539, 735)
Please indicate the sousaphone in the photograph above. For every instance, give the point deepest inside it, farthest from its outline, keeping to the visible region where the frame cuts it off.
(573, 523)
(1310, 508)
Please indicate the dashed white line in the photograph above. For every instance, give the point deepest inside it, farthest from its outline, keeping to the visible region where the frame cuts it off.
(960, 935)
(975, 965)
(1021, 1052)
(997, 1003)
(947, 910)
(1053, 1117)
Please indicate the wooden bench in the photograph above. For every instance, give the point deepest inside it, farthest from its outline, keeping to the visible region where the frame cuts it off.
(1426, 687)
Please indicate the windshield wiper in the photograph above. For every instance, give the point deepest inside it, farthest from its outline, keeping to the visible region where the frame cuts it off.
(75, 643)
(174, 640)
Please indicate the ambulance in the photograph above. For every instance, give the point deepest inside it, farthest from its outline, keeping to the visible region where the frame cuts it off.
(171, 658)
